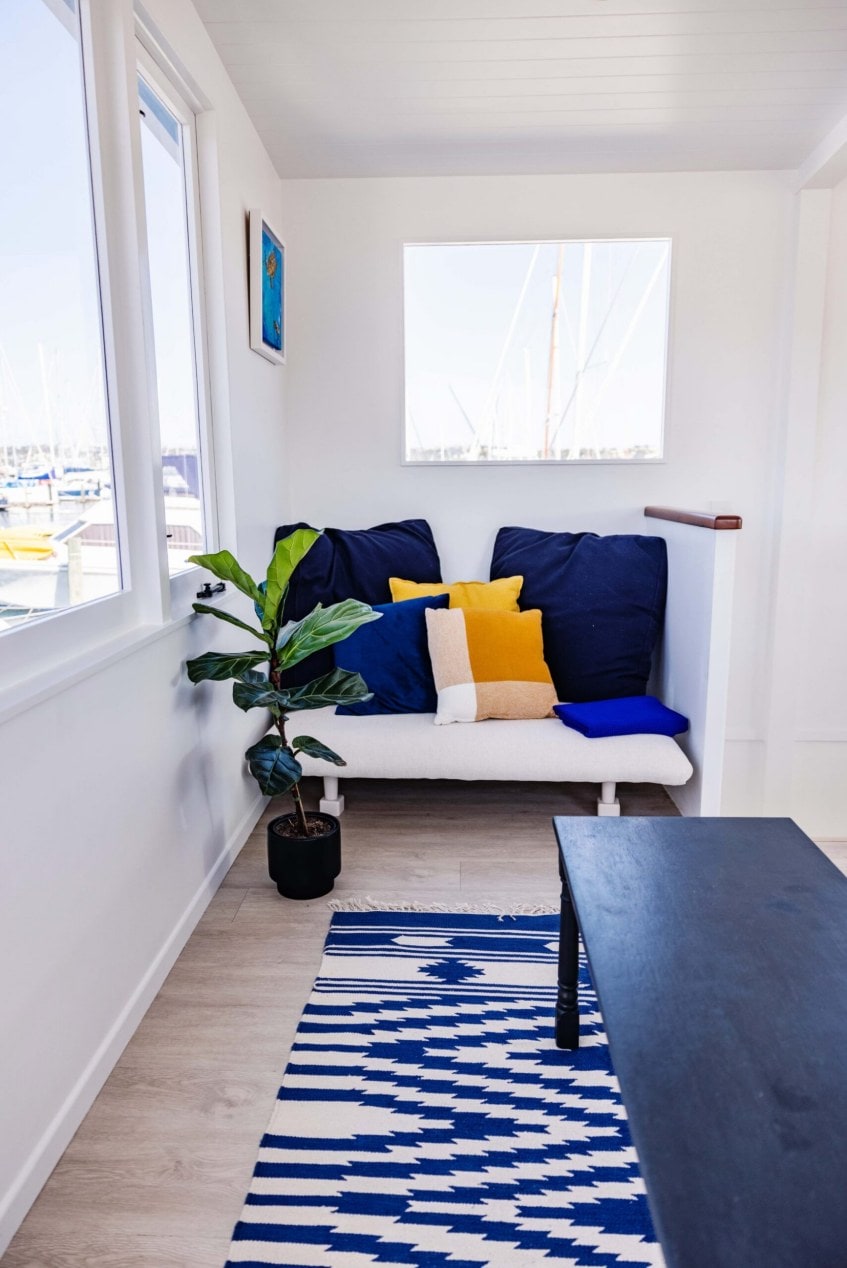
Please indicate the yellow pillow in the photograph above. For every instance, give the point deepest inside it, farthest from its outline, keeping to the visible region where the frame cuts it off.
(488, 665)
(493, 596)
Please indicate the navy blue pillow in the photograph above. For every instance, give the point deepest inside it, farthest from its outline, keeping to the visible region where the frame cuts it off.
(602, 601)
(392, 655)
(631, 715)
(355, 564)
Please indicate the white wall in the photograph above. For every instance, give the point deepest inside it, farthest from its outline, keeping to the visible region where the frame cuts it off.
(123, 796)
(819, 758)
(732, 243)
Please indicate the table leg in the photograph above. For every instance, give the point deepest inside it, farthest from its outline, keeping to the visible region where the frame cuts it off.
(567, 1006)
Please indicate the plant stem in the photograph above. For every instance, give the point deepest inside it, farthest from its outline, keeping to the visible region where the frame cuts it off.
(280, 726)
(301, 814)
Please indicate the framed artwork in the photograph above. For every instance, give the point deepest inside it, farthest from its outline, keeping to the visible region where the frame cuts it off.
(267, 290)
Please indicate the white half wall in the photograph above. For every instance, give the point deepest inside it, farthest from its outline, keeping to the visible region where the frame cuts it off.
(124, 803)
(124, 796)
(819, 750)
(696, 649)
(732, 241)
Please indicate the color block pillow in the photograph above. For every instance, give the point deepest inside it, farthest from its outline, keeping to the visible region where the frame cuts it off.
(488, 665)
(494, 596)
(392, 656)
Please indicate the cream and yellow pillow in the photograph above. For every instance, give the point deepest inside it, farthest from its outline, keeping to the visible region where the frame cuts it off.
(488, 665)
(493, 596)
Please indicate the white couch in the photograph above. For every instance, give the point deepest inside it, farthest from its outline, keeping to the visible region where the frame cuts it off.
(409, 746)
(691, 675)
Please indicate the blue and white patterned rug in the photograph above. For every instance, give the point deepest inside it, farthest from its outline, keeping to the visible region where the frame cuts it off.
(427, 1118)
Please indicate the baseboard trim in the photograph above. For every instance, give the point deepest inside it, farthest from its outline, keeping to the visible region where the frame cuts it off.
(35, 1172)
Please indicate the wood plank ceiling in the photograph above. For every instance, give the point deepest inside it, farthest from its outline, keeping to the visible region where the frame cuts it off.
(396, 87)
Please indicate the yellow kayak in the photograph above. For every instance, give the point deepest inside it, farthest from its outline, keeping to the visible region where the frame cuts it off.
(25, 543)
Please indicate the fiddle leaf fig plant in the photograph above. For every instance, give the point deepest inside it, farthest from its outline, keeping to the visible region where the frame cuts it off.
(273, 760)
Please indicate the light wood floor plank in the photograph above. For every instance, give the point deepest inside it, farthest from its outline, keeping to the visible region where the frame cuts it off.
(111, 1251)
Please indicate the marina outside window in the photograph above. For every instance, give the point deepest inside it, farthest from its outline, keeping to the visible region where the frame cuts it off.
(536, 351)
(59, 540)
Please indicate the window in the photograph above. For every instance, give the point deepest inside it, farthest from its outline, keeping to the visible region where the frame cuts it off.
(167, 146)
(103, 362)
(59, 544)
(536, 352)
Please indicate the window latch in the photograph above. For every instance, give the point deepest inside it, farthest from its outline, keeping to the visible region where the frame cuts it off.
(207, 590)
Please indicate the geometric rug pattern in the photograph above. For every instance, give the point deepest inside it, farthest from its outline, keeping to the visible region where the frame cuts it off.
(427, 1118)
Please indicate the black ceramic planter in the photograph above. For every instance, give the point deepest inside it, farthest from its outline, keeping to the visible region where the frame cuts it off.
(304, 867)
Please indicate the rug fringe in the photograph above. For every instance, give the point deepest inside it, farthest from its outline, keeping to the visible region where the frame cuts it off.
(364, 902)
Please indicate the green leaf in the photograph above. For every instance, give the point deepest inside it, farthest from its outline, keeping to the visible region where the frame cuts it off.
(340, 686)
(255, 691)
(218, 666)
(313, 748)
(321, 628)
(287, 555)
(273, 766)
(254, 695)
(225, 566)
(206, 610)
(253, 675)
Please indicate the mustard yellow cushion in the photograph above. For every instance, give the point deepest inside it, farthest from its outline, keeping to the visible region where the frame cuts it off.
(493, 596)
(488, 665)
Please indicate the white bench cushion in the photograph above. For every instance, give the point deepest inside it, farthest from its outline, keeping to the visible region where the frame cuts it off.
(409, 746)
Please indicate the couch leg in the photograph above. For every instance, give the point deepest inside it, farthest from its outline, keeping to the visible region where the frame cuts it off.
(608, 805)
(331, 803)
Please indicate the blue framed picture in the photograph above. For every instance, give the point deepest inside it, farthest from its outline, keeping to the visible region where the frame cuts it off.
(267, 290)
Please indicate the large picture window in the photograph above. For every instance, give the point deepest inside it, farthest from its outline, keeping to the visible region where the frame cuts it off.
(58, 530)
(536, 351)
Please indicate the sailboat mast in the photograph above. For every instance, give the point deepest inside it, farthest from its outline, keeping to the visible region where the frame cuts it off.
(583, 354)
(553, 359)
(4, 416)
(48, 410)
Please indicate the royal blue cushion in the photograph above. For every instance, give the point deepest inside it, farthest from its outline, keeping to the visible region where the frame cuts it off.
(602, 601)
(630, 715)
(355, 564)
(392, 656)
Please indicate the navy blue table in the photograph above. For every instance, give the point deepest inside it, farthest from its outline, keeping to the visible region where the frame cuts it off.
(718, 950)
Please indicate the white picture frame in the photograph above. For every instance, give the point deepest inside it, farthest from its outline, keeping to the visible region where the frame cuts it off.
(267, 287)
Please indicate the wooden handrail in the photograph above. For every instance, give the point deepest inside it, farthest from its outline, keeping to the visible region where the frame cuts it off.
(700, 519)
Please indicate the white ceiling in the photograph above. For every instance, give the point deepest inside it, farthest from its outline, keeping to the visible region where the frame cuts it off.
(396, 87)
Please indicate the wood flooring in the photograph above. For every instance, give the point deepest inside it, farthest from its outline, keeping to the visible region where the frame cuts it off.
(157, 1173)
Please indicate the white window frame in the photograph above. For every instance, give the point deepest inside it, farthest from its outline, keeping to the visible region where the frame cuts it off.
(183, 103)
(52, 652)
(543, 462)
(27, 648)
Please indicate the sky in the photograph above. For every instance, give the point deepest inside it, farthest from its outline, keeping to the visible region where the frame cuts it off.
(49, 311)
(169, 280)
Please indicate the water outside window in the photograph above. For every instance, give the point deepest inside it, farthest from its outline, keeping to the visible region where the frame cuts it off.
(534, 352)
(169, 213)
(58, 532)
